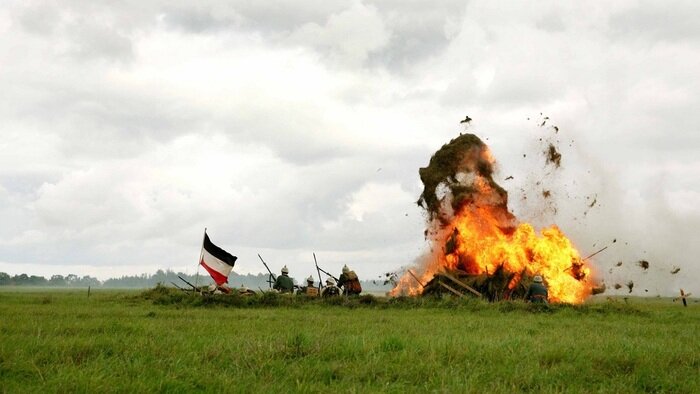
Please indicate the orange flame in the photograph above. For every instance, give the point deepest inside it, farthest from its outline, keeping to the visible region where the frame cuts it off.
(482, 236)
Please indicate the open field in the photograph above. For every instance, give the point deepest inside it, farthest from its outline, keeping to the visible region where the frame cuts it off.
(120, 341)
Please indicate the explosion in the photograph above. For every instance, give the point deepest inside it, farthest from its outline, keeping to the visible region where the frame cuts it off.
(473, 233)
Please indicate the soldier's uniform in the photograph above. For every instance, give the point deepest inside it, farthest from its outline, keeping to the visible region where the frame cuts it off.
(284, 283)
(330, 290)
(349, 282)
(537, 293)
(310, 289)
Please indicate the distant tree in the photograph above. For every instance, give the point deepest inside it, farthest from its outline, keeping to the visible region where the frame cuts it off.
(57, 280)
(20, 280)
(5, 279)
(35, 280)
(72, 280)
(87, 280)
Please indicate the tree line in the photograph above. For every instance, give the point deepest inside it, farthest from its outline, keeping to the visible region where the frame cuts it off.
(167, 277)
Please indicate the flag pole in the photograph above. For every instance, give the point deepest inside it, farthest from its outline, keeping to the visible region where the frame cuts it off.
(201, 251)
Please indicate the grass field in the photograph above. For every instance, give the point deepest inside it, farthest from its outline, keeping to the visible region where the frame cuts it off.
(63, 341)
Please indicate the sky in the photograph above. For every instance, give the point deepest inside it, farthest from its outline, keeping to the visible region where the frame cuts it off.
(287, 128)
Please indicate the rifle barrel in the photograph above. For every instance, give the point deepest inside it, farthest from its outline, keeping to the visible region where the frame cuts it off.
(268, 268)
(318, 271)
(191, 285)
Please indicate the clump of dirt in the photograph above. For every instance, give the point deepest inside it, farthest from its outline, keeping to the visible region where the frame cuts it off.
(455, 166)
(630, 285)
(553, 156)
(618, 286)
(643, 264)
(592, 204)
(546, 193)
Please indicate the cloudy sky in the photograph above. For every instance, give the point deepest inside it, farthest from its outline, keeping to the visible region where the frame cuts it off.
(289, 127)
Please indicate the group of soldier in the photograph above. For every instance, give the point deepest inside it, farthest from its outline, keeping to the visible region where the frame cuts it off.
(347, 284)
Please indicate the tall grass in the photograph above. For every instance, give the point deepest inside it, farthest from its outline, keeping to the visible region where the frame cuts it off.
(173, 342)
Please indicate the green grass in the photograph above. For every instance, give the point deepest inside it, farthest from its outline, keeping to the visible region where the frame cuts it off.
(158, 341)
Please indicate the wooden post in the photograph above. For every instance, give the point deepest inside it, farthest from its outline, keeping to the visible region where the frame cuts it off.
(416, 278)
(457, 281)
(451, 289)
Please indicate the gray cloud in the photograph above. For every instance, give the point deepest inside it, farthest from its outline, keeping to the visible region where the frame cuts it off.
(650, 22)
(290, 127)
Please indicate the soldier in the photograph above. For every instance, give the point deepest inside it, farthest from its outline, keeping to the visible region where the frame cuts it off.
(244, 291)
(284, 284)
(223, 289)
(309, 289)
(349, 282)
(330, 290)
(537, 293)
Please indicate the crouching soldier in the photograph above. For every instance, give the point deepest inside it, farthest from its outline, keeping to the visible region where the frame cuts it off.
(330, 289)
(244, 291)
(222, 289)
(349, 282)
(537, 293)
(283, 283)
(309, 290)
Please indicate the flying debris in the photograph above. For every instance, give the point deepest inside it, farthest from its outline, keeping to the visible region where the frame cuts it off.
(619, 263)
(509, 177)
(556, 129)
(595, 200)
(553, 156)
(467, 119)
(643, 264)
(618, 286)
(630, 285)
(675, 270)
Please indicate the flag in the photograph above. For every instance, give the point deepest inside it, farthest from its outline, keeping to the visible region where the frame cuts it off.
(216, 261)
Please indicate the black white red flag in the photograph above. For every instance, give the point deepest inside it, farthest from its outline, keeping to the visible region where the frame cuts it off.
(216, 261)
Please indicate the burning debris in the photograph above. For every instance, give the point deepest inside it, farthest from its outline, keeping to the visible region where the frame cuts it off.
(643, 264)
(478, 244)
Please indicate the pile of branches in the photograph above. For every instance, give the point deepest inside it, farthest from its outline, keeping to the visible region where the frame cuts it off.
(492, 287)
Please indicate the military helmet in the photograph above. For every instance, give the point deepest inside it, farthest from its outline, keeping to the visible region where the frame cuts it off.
(285, 270)
(330, 282)
(537, 279)
(346, 269)
(310, 279)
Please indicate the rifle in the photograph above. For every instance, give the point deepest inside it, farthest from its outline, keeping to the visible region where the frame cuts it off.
(194, 288)
(272, 278)
(175, 284)
(318, 270)
(326, 272)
